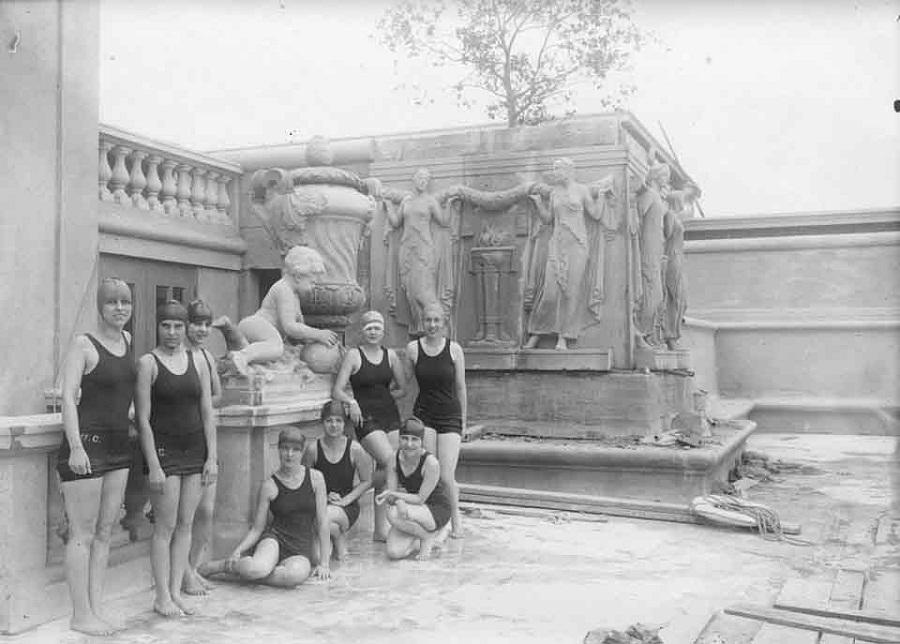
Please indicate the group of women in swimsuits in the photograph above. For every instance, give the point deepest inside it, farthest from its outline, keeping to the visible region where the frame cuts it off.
(313, 497)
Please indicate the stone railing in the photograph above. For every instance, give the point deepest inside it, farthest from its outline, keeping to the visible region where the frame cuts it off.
(143, 174)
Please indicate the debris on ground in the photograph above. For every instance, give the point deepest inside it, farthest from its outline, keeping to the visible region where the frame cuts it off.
(759, 466)
(634, 634)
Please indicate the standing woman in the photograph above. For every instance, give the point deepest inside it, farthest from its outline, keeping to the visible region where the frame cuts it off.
(175, 418)
(199, 324)
(375, 375)
(94, 458)
(440, 371)
(342, 462)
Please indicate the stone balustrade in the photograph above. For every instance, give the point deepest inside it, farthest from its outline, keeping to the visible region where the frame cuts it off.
(143, 174)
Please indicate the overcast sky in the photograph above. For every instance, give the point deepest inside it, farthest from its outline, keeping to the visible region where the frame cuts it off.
(772, 106)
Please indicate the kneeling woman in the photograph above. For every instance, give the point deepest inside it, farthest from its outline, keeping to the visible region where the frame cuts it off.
(341, 461)
(295, 495)
(419, 506)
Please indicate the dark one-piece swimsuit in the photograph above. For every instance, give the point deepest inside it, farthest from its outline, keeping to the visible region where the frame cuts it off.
(339, 476)
(437, 404)
(372, 390)
(176, 421)
(293, 516)
(437, 502)
(106, 394)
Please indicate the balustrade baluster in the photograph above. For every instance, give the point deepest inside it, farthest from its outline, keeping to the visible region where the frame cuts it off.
(154, 185)
(184, 190)
(211, 196)
(104, 171)
(119, 178)
(169, 187)
(224, 201)
(198, 193)
(138, 181)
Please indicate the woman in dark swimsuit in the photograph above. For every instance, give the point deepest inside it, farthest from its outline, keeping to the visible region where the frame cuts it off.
(341, 461)
(93, 461)
(440, 370)
(375, 375)
(285, 548)
(174, 413)
(200, 319)
(418, 505)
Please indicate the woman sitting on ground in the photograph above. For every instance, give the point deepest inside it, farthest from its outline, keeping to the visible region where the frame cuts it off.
(419, 508)
(284, 549)
(341, 461)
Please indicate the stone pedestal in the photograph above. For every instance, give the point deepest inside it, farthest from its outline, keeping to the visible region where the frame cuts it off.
(258, 390)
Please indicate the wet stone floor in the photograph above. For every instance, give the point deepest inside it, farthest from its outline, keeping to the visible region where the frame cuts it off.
(552, 579)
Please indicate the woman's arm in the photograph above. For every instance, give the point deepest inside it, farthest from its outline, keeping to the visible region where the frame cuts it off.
(208, 416)
(431, 474)
(267, 492)
(398, 390)
(439, 214)
(350, 365)
(74, 368)
(459, 365)
(310, 454)
(543, 212)
(215, 382)
(363, 466)
(391, 484)
(322, 571)
(409, 359)
(145, 377)
(395, 215)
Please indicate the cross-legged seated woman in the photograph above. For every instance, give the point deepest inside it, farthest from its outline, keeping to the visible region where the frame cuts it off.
(418, 506)
(342, 462)
(286, 548)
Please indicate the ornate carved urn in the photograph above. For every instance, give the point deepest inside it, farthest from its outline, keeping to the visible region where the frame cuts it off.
(328, 209)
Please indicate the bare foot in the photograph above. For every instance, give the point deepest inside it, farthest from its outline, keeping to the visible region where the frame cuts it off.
(167, 609)
(114, 622)
(186, 608)
(340, 548)
(425, 548)
(208, 568)
(532, 342)
(239, 362)
(91, 626)
(561, 345)
(192, 584)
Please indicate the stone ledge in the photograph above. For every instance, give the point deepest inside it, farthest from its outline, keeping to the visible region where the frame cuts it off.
(249, 417)
(861, 318)
(26, 433)
(793, 242)
(792, 224)
(499, 359)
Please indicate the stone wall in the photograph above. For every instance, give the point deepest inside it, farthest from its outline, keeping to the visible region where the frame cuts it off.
(806, 311)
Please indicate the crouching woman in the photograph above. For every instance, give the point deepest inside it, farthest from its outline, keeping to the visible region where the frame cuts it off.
(297, 538)
(419, 507)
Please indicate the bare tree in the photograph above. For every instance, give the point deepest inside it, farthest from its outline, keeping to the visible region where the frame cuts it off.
(526, 56)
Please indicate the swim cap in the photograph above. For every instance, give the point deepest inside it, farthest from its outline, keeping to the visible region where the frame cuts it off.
(371, 316)
(413, 427)
(109, 288)
(333, 408)
(198, 311)
(171, 310)
(291, 435)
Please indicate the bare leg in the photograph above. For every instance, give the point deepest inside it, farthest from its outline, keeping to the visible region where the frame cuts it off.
(181, 539)
(448, 457)
(260, 564)
(417, 525)
(338, 526)
(201, 536)
(111, 496)
(289, 573)
(82, 502)
(532, 341)
(165, 513)
(378, 445)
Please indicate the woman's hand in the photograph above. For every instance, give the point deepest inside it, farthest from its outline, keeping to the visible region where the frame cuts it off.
(210, 472)
(335, 499)
(385, 497)
(322, 572)
(156, 479)
(79, 461)
(355, 413)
